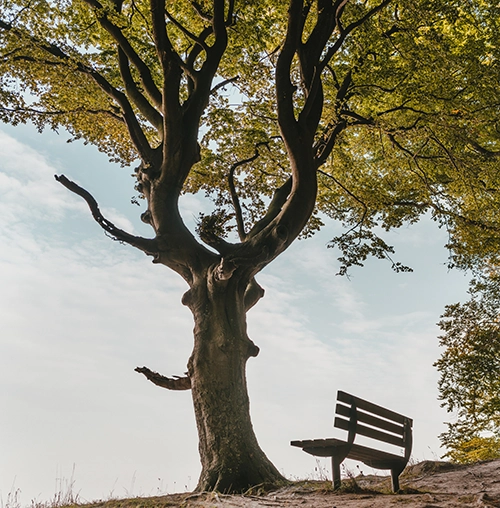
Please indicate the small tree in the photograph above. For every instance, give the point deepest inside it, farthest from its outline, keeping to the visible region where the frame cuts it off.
(470, 373)
(369, 112)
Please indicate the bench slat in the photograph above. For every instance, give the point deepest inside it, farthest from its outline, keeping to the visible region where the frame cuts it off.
(340, 423)
(342, 410)
(313, 443)
(320, 447)
(325, 448)
(367, 455)
(371, 408)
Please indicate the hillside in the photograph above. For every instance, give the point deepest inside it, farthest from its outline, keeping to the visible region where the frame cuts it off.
(424, 485)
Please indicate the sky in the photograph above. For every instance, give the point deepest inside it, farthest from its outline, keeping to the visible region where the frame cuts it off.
(78, 312)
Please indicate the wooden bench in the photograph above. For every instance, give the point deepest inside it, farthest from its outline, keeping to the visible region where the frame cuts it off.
(360, 417)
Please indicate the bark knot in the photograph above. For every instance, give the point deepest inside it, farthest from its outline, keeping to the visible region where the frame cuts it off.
(146, 217)
(225, 269)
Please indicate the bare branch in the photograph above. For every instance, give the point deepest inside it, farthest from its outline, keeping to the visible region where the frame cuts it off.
(162, 42)
(202, 79)
(344, 87)
(216, 242)
(149, 246)
(135, 95)
(170, 63)
(193, 76)
(199, 10)
(325, 145)
(344, 32)
(198, 48)
(219, 23)
(279, 199)
(284, 87)
(403, 107)
(359, 119)
(136, 133)
(413, 155)
(339, 8)
(144, 71)
(230, 13)
(347, 191)
(186, 32)
(484, 151)
(222, 84)
(41, 113)
(234, 194)
(171, 383)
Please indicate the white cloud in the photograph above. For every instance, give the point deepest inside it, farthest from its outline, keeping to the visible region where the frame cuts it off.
(30, 194)
(27, 184)
(79, 312)
(118, 219)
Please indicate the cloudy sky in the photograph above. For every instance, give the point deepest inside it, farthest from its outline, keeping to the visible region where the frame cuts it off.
(78, 312)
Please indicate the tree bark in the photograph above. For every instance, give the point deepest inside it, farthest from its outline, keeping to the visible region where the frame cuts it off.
(231, 458)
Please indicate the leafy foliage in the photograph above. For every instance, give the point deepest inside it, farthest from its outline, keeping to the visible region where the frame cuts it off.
(412, 95)
(470, 373)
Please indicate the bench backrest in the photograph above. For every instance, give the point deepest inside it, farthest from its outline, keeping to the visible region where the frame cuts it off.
(367, 419)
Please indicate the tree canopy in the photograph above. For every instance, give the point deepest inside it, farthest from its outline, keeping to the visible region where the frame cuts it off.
(287, 114)
(408, 123)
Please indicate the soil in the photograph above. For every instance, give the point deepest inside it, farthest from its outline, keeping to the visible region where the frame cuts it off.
(428, 484)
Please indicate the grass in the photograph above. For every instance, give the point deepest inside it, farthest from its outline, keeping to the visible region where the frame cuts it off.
(318, 483)
(64, 496)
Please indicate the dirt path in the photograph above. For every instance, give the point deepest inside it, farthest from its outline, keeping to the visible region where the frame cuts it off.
(425, 485)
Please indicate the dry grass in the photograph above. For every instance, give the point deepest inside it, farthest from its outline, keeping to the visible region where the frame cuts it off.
(428, 484)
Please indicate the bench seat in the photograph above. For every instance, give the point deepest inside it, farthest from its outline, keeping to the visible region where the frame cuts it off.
(378, 424)
(377, 459)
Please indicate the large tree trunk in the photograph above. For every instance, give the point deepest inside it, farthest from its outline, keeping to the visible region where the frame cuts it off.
(231, 458)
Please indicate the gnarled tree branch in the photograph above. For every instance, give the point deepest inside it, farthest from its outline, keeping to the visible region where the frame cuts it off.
(279, 199)
(151, 114)
(199, 10)
(222, 84)
(62, 58)
(202, 79)
(186, 32)
(346, 31)
(325, 145)
(169, 61)
(149, 246)
(234, 195)
(484, 151)
(171, 383)
(144, 71)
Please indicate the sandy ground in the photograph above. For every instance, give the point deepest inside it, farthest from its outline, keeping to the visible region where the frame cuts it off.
(425, 485)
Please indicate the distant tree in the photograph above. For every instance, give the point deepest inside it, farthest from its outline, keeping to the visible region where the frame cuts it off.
(368, 112)
(469, 367)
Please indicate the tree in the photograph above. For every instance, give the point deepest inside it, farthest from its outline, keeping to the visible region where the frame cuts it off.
(470, 372)
(370, 112)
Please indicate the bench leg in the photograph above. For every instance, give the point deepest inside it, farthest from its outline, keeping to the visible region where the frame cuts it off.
(336, 473)
(395, 479)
